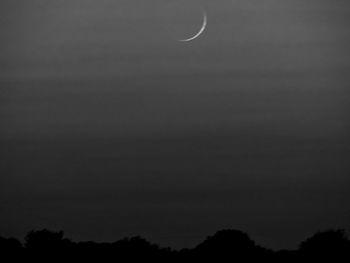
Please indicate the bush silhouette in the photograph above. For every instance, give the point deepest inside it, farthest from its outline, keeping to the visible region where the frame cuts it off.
(227, 241)
(8, 245)
(232, 245)
(326, 243)
(135, 244)
(229, 244)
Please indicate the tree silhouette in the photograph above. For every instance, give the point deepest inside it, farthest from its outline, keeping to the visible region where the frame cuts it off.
(46, 240)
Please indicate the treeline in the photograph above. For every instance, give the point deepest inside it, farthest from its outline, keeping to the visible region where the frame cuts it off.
(223, 246)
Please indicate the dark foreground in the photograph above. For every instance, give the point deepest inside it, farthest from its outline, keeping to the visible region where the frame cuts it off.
(224, 246)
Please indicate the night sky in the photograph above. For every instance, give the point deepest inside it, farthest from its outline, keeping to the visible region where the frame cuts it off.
(110, 127)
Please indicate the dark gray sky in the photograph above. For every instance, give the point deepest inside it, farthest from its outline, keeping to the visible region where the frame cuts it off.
(111, 127)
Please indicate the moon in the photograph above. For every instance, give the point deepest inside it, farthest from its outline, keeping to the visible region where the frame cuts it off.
(204, 25)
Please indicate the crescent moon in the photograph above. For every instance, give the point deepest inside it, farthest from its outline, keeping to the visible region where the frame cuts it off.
(204, 25)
